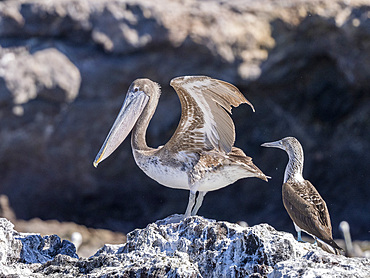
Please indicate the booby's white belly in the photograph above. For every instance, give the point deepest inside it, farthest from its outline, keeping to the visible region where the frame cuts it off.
(175, 177)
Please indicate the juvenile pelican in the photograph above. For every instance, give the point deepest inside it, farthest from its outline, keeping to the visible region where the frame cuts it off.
(200, 155)
(303, 203)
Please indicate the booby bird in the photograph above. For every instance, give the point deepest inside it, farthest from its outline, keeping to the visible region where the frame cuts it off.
(200, 155)
(301, 200)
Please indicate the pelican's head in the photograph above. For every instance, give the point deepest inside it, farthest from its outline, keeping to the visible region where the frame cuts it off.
(289, 144)
(137, 97)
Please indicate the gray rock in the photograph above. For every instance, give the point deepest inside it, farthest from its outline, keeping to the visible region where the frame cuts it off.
(37, 249)
(22, 254)
(194, 247)
(46, 74)
(317, 265)
(65, 66)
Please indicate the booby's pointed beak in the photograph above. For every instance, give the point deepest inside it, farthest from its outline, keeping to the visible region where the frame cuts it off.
(275, 144)
(132, 108)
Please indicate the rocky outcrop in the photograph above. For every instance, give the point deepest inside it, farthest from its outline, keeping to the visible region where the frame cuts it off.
(22, 254)
(86, 240)
(65, 66)
(46, 74)
(194, 247)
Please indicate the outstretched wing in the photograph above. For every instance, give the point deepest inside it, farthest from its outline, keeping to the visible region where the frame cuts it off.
(205, 121)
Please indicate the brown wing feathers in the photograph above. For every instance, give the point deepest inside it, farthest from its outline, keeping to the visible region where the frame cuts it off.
(206, 104)
(308, 210)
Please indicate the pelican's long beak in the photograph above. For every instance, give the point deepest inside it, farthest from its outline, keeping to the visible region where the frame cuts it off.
(275, 144)
(132, 108)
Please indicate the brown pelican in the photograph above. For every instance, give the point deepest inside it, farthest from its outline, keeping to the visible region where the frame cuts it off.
(200, 155)
(303, 203)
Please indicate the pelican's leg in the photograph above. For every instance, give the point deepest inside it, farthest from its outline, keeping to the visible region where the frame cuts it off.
(190, 203)
(315, 243)
(199, 202)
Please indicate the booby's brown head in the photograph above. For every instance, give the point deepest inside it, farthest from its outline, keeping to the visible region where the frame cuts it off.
(289, 144)
(294, 150)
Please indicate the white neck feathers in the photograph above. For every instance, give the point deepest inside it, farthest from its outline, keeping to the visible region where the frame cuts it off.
(294, 168)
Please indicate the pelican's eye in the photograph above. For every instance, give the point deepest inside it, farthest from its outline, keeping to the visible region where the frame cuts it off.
(136, 89)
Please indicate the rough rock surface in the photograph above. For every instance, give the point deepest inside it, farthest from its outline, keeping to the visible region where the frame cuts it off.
(86, 240)
(65, 66)
(194, 247)
(23, 253)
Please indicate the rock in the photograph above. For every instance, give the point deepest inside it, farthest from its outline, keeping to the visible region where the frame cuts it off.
(65, 66)
(37, 249)
(86, 240)
(194, 247)
(315, 265)
(46, 74)
(21, 253)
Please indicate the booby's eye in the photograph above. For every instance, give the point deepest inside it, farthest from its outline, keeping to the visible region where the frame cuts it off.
(136, 89)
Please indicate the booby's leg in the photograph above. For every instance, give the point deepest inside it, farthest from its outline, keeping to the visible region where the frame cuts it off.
(299, 230)
(199, 202)
(315, 243)
(190, 203)
(299, 237)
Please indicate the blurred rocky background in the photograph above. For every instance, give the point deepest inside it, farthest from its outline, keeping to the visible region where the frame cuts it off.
(65, 67)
